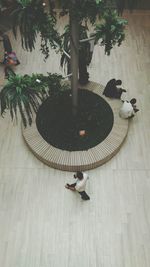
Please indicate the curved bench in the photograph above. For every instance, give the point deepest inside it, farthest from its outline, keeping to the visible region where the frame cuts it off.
(80, 160)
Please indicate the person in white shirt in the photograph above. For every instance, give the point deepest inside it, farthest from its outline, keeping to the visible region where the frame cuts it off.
(128, 109)
(79, 185)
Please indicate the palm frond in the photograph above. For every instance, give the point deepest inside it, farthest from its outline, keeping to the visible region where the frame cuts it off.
(26, 93)
(24, 120)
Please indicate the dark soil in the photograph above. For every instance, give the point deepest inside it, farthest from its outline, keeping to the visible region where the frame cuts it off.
(60, 128)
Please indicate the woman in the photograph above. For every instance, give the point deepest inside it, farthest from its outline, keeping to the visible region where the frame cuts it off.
(10, 57)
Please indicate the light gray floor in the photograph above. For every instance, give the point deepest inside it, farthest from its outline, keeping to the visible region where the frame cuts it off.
(44, 225)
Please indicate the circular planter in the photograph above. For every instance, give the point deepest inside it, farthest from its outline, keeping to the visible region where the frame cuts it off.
(89, 127)
(85, 159)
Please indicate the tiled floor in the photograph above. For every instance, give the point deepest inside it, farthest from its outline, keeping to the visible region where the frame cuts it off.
(41, 223)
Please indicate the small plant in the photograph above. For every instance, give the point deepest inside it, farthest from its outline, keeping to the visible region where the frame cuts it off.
(25, 93)
(19, 94)
(56, 85)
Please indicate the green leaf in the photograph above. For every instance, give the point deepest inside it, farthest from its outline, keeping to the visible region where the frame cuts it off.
(110, 32)
(25, 94)
(98, 1)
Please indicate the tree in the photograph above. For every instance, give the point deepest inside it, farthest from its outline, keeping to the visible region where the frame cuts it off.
(32, 19)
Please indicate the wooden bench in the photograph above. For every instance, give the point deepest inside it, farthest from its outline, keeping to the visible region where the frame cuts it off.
(80, 160)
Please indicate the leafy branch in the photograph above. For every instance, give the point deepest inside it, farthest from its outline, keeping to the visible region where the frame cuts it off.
(110, 31)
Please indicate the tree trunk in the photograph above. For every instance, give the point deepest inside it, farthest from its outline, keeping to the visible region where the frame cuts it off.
(74, 52)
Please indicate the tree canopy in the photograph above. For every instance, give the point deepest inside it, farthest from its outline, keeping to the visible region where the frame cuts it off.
(32, 18)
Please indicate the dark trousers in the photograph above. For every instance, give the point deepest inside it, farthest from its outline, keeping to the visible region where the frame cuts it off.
(83, 194)
(117, 94)
(114, 92)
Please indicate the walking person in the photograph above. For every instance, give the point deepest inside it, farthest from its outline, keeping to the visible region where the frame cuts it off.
(79, 185)
(10, 58)
(7, 44)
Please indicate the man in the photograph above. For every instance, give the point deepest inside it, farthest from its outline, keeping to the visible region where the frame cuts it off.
(79, 185)
(111, 90)
(128, 109)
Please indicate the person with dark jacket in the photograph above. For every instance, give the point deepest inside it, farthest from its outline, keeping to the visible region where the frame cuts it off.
(7, 43)
(111, 90)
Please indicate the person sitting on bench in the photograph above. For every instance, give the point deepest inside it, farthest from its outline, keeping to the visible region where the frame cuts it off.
(128, 109)
(111, 90)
